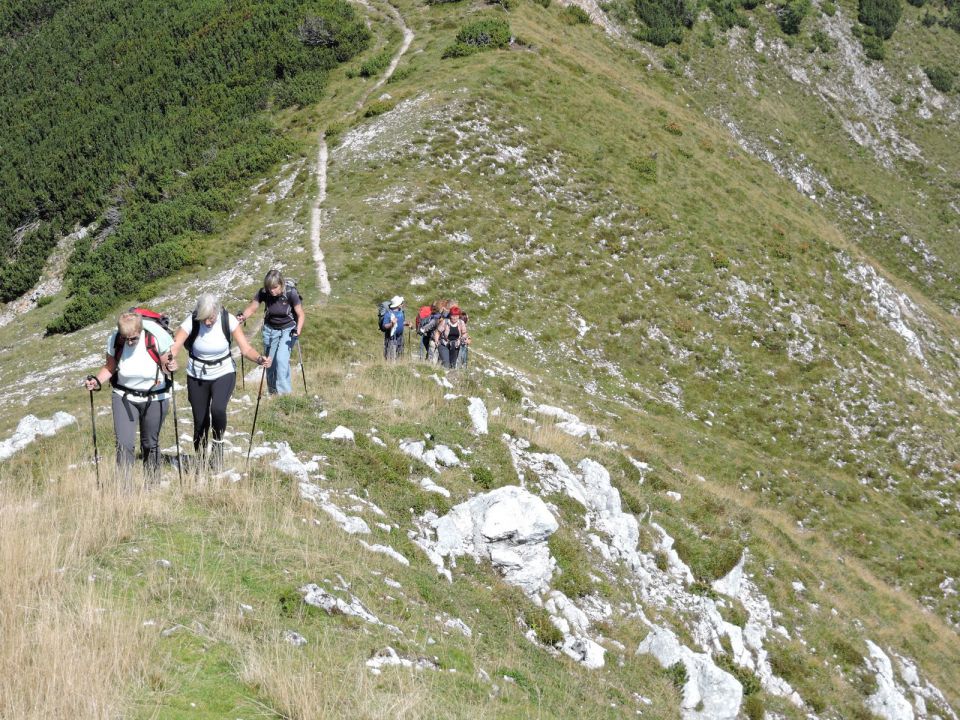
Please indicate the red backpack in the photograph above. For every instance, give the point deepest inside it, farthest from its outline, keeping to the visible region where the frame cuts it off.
(152, 349)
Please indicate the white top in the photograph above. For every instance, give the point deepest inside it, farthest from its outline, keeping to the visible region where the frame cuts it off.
(136, 369)
(210, 346)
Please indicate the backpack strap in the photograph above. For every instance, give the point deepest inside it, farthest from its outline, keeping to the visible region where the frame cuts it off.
(225, 325)
(194, 331)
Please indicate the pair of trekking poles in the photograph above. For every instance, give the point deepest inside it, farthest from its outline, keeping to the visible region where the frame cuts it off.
(176, 424)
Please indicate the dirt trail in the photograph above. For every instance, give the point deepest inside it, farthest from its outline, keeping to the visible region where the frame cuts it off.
(323, 153)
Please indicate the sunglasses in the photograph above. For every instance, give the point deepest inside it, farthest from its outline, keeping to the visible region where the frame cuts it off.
(131, 340)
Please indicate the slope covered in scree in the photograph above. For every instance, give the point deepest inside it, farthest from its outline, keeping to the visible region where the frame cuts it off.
(701, 463)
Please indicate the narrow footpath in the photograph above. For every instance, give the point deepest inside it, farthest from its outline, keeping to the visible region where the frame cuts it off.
(323, 153)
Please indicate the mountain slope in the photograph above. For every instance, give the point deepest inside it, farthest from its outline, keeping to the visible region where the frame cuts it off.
(747, 380)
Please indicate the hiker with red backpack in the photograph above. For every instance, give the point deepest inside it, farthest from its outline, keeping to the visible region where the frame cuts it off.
(136, 366)
(211, 370)
(282, 325)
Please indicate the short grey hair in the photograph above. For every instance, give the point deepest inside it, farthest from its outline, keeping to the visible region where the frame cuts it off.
(273, 279)
(208, 306)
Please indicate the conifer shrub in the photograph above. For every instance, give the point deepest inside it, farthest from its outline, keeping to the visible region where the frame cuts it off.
(881, 15)
(828, 8)
(940, 78)
(678, 674)
(575, 15)
(727, 14)
(375, 65)
(790, 15)
(479, 35)
(872, 45)
(664, 20)
(917, 3)
(538, 620)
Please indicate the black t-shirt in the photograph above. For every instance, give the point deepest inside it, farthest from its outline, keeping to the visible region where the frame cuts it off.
(279, 308)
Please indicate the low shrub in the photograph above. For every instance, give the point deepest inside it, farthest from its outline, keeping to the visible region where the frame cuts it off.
(575, 15)
(483, 478)
(726, 13)
(664, 20)
(881, 15)
(678, 674)
(791, 15)
(940, 78)
(539, 621)
(479, 35)
(376, 64)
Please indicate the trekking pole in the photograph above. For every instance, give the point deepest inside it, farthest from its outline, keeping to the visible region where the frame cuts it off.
(257, 409)
(176, 424)
(93, 423)
(303, 373)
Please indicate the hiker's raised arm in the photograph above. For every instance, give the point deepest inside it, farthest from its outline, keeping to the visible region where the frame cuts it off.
(179, 338)
(102, 375)
(248, 351)
(249, 309)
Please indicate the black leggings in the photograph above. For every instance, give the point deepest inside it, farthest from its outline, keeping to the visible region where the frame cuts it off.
(209, 398)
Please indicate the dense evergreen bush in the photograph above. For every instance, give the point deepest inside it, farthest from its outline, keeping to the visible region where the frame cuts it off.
(478, 35)
(576, 15)
(940, 77)
(152, 108)
(664, 20)
(727, 14)
(791, 14)
(881, 15)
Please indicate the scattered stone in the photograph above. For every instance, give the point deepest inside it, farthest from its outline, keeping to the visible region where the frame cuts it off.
(386, 550)
(478, 415)
(331, 604)
(339, 433)
(294, 638)
(389, 657)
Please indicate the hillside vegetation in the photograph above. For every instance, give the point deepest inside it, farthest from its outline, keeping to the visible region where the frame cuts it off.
(712, 291)
(145, 122)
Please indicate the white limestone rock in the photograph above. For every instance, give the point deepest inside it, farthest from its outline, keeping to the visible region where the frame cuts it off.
(507, 526)
(478, 415)
(29, 428)
(710, 693)
(888, 702)
(339, 433)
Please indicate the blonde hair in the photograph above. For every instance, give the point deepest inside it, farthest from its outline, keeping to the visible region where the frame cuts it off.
(129, 324)
(208, 306)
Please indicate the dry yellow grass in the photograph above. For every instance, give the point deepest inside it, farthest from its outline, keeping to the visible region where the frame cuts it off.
(66, 649)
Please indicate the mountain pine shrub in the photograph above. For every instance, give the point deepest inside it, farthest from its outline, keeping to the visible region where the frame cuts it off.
(881, 15)
(791, 14)
(940, 77)
(376, 64)
(664, 20)
(727, 14)
(478, 35)
(576, 15)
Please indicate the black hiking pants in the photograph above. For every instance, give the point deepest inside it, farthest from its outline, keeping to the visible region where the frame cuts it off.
(208, 400)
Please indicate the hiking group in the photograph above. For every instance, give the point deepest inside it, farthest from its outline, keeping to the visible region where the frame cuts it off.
(141, 360)
(441, 328)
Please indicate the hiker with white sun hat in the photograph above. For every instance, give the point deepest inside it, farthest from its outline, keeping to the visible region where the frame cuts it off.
(391, 325)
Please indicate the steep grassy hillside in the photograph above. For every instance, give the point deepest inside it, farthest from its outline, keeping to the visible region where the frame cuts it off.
(736, 401)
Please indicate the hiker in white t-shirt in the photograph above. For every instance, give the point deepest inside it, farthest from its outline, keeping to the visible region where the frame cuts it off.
(211, 370)
(135, 366)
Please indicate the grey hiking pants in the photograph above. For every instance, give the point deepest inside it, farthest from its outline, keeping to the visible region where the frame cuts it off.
(392, 347)
(148, 417)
